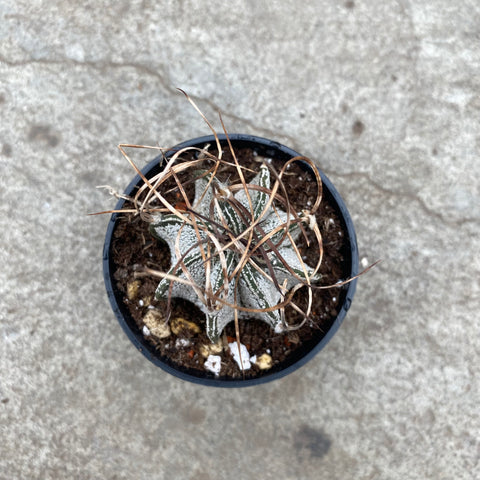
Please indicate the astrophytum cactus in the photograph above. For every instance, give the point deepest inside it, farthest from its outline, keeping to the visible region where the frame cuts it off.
(233, 252)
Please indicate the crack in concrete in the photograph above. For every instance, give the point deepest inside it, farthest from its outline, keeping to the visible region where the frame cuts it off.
(99, 65)
(432, 213)
(262, 131)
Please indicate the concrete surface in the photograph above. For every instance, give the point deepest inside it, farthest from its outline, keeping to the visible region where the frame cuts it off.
(384, 95)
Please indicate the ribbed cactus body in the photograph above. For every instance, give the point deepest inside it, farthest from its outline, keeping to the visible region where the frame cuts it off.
(210, 273)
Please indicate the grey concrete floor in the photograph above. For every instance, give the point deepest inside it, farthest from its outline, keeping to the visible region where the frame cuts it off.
(383, 95)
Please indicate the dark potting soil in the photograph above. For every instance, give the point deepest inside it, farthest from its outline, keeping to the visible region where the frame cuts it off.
(134, 247)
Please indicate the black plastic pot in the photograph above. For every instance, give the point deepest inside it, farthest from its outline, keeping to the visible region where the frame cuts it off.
(267, 148)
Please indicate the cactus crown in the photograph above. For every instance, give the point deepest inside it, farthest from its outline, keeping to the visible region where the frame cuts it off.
(233, 250)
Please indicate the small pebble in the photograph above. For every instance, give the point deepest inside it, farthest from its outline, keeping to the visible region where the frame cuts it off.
(155, 322)
(179, 324)
(182, 343)
(211, 349)
(264, 362)
(213, 364)
(147, 301)
(236, 355)
(132, 289)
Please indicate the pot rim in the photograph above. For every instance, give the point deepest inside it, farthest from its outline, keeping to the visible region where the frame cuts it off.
(269, 148)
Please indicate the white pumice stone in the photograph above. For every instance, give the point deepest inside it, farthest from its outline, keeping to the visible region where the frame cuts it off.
(182, 343)
(236, 355)
(213, 364)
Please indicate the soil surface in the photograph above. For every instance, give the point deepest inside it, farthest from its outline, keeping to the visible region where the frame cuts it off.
(133, 247)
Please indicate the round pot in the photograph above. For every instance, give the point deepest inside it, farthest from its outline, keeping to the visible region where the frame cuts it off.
(267, 148)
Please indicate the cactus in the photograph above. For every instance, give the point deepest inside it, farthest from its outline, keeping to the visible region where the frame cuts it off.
(233, 252)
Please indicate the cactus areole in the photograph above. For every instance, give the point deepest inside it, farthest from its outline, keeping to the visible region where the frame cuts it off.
(233, 254)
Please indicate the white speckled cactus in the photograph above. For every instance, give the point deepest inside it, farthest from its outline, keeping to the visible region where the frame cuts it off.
(231, 252)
